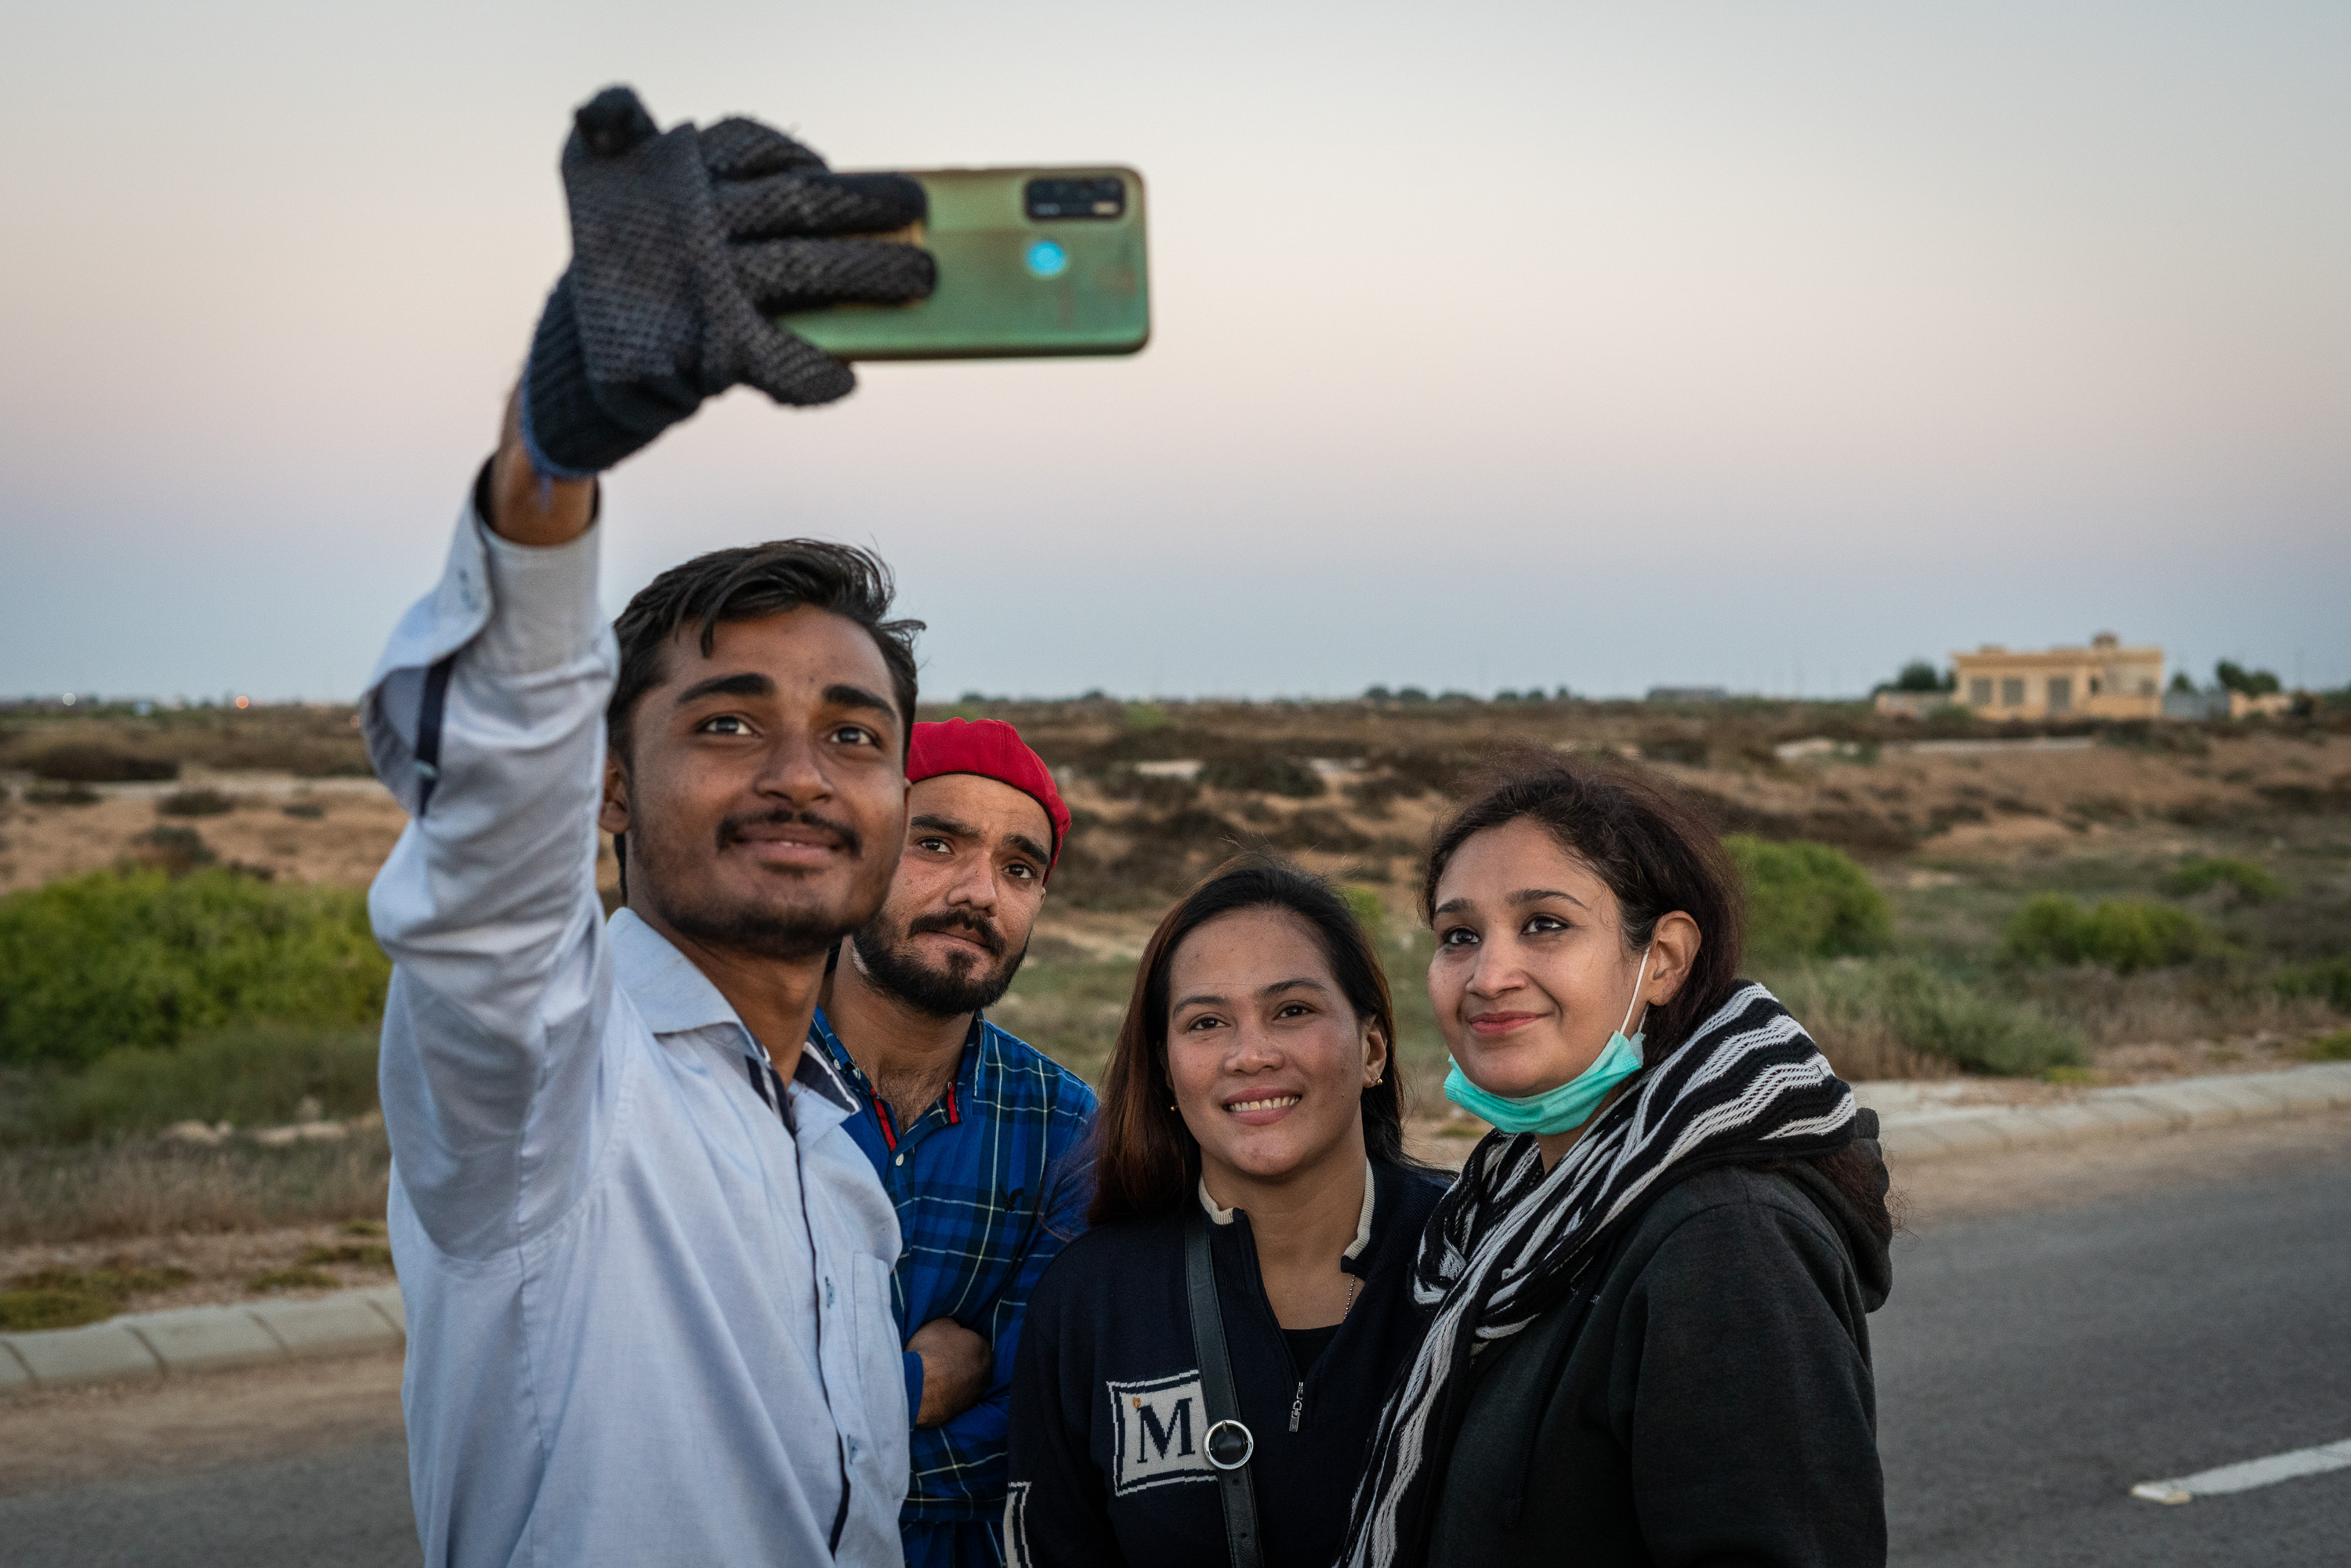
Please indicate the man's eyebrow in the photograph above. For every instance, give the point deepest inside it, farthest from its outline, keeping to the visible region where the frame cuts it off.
(746, 684)
(842, 695)
(939, 824)
(1030, 847)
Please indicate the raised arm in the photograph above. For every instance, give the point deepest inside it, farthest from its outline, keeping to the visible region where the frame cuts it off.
(527, 507)
(486, 713)
(485, 718)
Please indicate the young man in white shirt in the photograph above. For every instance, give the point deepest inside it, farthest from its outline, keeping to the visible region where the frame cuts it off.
(647, 1271)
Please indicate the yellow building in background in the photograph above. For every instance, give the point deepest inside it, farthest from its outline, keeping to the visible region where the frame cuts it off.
(2104, 680)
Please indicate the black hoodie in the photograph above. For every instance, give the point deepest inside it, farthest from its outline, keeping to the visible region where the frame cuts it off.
(1703, 1397)
(1106, 1463)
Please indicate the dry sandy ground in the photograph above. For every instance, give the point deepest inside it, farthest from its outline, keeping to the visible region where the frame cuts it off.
(223, 1262)
(331, 831)
(1990, 805)
(71, 1436)
(343, 844)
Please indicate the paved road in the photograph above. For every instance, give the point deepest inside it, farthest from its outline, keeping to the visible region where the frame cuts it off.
(347, 1506)
(2034, 1367)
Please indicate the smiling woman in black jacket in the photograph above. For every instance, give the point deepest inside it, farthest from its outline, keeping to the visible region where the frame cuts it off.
(1249, 1098)
(1649, 1344)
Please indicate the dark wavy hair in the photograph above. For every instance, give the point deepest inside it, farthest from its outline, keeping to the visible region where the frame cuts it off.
(1146, 1161)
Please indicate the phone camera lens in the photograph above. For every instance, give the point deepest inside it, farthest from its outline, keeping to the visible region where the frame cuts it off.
(1103, 196)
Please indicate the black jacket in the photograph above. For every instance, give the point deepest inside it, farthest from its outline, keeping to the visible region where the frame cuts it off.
(1704, 1397)
(1106, 1423)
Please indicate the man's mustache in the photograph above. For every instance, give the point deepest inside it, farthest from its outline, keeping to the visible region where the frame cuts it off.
(731, 828)
(983, 932)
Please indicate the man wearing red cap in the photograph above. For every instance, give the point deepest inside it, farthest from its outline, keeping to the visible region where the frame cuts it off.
(971, 1130)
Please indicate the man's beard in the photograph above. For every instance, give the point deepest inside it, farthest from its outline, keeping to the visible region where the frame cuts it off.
(789, 933)
(885, 951)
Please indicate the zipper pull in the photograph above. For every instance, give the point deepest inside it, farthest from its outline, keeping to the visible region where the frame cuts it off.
(1298, 1405)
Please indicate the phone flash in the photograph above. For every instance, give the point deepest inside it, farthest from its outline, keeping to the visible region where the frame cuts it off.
(1047, 259)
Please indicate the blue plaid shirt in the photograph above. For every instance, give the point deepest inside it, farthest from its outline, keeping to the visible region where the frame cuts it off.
(987, 1193)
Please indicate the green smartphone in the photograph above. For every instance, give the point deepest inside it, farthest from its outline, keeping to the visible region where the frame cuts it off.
(1032, 262)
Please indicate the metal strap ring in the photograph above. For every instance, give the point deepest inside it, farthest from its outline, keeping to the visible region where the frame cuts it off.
(1248, 1445)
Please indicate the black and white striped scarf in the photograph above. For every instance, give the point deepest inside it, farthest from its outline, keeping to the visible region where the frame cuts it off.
(1509, 1240)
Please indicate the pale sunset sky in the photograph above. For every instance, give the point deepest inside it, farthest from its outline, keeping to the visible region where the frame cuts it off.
(1759, 344)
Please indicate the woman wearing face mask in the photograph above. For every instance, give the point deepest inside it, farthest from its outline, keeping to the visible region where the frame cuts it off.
(1648, 1340)
(1249, 1165)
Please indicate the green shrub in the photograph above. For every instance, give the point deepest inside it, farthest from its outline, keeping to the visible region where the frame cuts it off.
(1365, 905)
(254, 1076)
(67, 1297)
(1855, 1009)
(2254, 884)
(138, 958)
(2125, 934)
(2233, 677)
(358, 1254)
(2335, 1047)
(175, 851)
(1977, 1031)
(1918, 675)
(1808, 901)
(83, 763)
(1124, 781)
(292, 1279)
(52, 1192)
(1263, 774)
(2330, 979)
(196, 803)
(1689, 750)
(25, 1311)
(1316, 828)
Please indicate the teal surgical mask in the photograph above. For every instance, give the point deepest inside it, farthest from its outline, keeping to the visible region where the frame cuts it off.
(1569, 1106)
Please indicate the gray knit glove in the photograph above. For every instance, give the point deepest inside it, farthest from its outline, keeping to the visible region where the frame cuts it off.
(683, 243)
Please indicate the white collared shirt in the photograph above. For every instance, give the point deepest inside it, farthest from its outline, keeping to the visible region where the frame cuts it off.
(1220, 1214)
(649, 1313)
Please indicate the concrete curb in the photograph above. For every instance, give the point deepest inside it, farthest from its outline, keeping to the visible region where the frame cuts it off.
(2131, 1110)
(139, 1347)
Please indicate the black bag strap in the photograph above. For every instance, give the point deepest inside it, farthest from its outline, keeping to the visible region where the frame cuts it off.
(1228, 1443)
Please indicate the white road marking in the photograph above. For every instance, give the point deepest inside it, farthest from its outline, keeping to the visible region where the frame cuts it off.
(2250, 1474)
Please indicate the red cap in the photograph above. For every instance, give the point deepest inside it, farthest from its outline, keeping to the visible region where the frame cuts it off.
(993, 750)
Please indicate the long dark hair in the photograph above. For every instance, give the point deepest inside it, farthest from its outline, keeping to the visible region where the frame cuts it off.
(1146, 1161)
(1659, 854)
